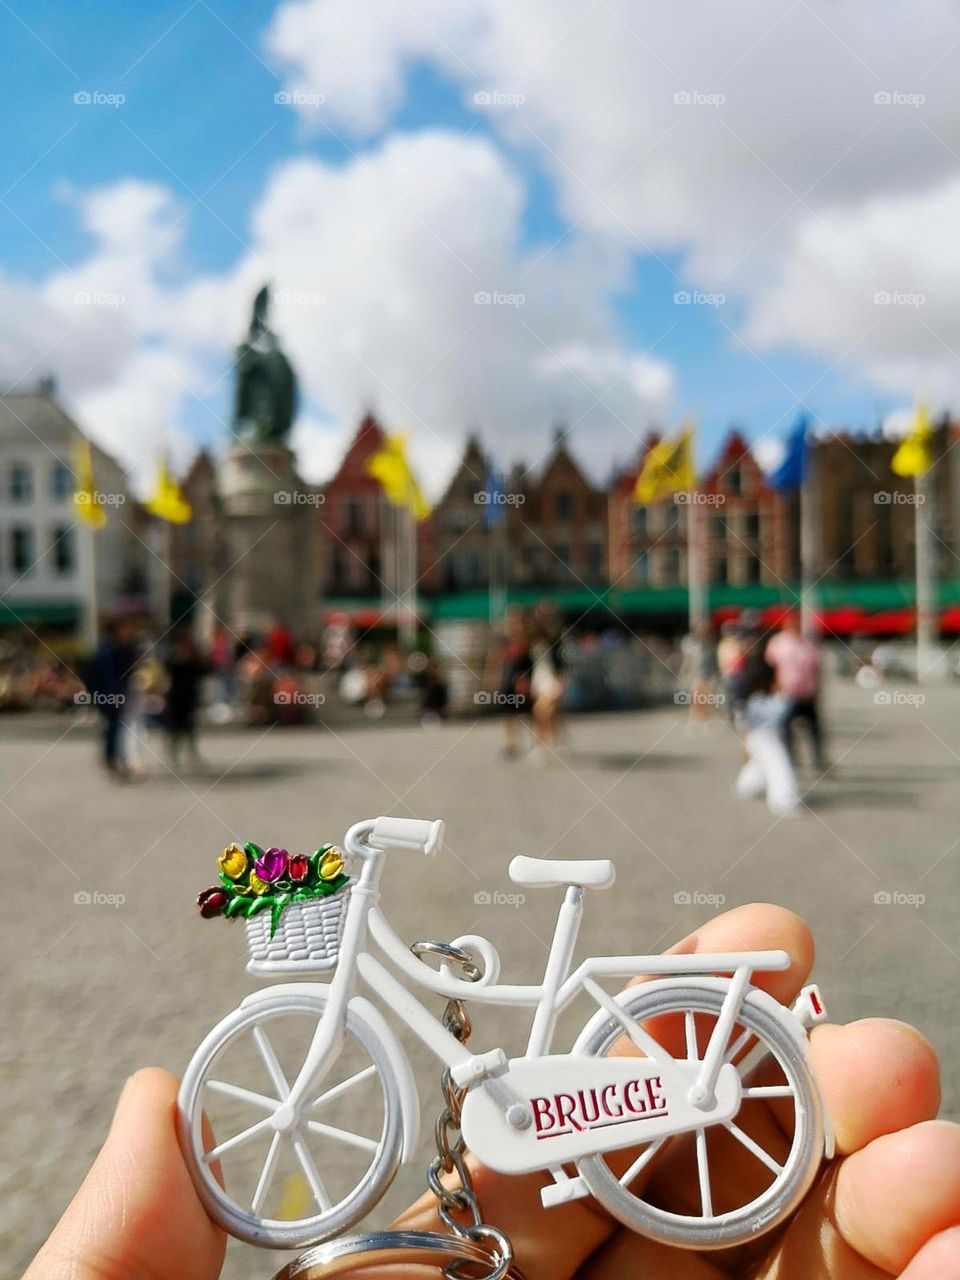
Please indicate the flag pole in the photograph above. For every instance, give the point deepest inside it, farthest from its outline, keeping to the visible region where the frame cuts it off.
(696, 569)
(927, 628)
(808, 550)
(697, 589)
(408, 557)
(88, 559)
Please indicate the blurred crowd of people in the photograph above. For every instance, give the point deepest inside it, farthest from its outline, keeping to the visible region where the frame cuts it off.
(525, 680)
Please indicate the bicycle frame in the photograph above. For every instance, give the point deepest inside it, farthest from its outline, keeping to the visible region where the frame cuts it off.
(548, 998)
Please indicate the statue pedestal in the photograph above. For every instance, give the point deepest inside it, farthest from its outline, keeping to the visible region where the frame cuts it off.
(269, 531)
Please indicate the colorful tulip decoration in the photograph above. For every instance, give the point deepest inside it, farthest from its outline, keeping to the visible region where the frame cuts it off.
(252, 879)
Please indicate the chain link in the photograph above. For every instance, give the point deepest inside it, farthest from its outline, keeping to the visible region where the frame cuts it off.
(457, 1204)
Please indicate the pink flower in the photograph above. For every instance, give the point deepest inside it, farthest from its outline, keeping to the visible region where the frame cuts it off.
(271, 865)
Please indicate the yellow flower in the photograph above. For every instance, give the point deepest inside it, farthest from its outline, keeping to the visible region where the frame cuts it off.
(233, 861)
(331, 864)
(257, 885)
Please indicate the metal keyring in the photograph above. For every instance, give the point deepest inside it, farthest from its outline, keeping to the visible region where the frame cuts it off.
(454, 955)
(383, 1248)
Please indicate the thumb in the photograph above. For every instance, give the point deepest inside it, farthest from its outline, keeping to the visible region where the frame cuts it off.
(136, 1214)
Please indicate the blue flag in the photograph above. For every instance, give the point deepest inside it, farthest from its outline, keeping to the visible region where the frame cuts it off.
(494, 508)
(792, 471)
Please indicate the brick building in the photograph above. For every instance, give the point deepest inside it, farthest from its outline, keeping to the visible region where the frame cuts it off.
(750, 532)
(864, 513)
(648, 544)
(567, 516)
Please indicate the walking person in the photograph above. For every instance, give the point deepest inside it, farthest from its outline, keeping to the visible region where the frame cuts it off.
(547, 680)
(509, 671)
(768, 770)
(796, 660)
(185, 671)
(108, 683)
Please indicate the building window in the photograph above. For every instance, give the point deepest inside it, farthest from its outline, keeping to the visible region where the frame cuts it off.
(21, 482)
(641, 568)
(673, 565)
(751, 524)
(594, 561)
(671, 517)
(458, 519)
(720, 528)
(753, 568)
(64, 550)
(735, 482)
(563, 506)
(61, 482)
(639, 522)
(353, 517)
(562, 552)
(720, 575)
(21, 549)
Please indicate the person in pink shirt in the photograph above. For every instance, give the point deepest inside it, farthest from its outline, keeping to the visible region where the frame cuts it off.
(796, 660)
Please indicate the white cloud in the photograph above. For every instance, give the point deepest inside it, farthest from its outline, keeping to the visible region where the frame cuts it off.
(399, 284)
(798, 157)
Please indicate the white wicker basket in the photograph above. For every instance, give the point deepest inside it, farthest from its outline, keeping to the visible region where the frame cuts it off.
(309, 931)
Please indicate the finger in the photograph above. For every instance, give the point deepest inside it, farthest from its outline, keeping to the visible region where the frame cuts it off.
(136, 1214)
(938, 1259)
(759, 926)
(899, 1192)
(628, 1254)
(553, 1244)
(876, 1076)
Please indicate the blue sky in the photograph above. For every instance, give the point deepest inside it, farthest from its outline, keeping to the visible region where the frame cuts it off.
(199, 118)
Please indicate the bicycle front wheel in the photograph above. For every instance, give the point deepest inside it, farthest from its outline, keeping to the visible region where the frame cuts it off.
(285, 1180)
(746, 1175)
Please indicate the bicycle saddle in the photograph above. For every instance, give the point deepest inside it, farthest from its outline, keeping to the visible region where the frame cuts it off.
(547, 873)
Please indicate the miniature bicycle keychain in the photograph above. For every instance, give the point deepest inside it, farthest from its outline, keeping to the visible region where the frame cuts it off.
(318, 1048)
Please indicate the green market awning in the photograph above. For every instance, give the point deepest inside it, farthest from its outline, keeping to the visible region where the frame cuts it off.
(39, 612)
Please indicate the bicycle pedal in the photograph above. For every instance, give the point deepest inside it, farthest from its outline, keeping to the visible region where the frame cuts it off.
(555, 1193)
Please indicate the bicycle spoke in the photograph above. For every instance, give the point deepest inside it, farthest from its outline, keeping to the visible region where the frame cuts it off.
(342, 1088)
(641, 1162)
(767, 1091)
(245, 1135)
(690, 1026)
(271, 1062)
(343, 1135)
(245, 1095)
(739, 1045)
(266, 1173)
(754, 1148)
(703, 1171)
(312, 1174)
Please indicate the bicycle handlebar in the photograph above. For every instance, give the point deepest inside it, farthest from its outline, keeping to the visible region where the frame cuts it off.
(396, 835)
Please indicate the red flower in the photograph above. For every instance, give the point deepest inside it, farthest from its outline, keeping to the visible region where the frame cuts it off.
(211, 902)
(298, 867)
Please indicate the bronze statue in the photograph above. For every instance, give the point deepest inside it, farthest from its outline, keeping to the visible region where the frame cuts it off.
(266, 397)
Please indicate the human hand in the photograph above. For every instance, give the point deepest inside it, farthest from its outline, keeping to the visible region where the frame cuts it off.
(888, 1205)
(136, 1216)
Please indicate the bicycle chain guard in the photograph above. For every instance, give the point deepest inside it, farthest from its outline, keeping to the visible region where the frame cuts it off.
(473, 1249)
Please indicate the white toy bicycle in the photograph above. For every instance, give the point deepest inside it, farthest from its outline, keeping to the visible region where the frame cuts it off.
(306, 1081)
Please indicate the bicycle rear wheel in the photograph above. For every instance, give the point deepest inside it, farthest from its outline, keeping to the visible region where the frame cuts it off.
(771, 1182)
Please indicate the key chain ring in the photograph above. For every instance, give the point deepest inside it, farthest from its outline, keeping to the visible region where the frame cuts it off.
(383, 1248)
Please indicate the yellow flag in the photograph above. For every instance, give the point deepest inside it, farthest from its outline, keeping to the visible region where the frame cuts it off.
(167, 501)
(914, 458)
(85, 503)
(389, 465)
(667, 468)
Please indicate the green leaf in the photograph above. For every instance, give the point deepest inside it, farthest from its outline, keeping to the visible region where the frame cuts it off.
(253, 851)
(233, 907)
